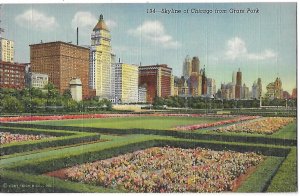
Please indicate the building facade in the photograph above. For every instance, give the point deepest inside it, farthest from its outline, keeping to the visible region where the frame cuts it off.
(157, 78)
(274, 89)
(238, 86)
(7, 50)
(211, 87)
(61, 62)
(101, 60)
(187, 67)
(12, 75)
(126, 83)
(38, 80)
(142, 94)
(195, 64)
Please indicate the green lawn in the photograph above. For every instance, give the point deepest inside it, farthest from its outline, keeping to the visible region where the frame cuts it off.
(145, 122)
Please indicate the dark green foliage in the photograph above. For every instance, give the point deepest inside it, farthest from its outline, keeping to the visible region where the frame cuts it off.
(285, 179)
(261, 178)
(177, 134)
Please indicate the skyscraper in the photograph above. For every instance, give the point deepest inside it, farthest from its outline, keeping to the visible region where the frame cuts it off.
(100, 60)
(187, 67)
(204, 83)
(259, 84)
(157, 79)
(211, 87)
(126, 83)
(195, 64)
(6, 50)
(238, 86)
(61, 62)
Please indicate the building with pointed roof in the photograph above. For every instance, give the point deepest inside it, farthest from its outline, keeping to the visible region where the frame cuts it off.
(100, 60)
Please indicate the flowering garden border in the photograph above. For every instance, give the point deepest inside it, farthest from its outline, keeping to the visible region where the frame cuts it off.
(62, 138)
(33, 169)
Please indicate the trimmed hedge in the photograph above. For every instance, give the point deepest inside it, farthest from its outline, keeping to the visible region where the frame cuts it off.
(44, 143)
(285, 179)
(261, 178)
(43, 165)
(64, 138)
(17, 182)
(178, 134)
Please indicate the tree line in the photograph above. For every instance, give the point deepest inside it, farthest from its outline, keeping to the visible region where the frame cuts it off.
(210, 103)
(47, 100)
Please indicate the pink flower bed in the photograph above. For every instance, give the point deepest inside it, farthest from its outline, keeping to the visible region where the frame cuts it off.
(7, 138)
(168, 170)
(62, 117)
(214, 124)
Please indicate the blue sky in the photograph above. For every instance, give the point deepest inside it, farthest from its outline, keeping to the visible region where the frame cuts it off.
(262, 44)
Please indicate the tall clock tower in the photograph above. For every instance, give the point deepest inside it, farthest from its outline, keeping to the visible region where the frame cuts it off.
(100, 60)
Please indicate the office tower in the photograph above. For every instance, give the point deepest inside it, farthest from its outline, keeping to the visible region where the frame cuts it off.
(126, 83)
(100, 60)
(187, 67)
(195, 64)
(157, 79)
(61, 62)
(238, 86)
(12, 75)
(6, 50)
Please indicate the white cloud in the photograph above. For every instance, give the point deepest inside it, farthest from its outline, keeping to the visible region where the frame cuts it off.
(111, 24)
(87, 20)
(36, 20)
(236, 48)
(84, 20)
(154, 31)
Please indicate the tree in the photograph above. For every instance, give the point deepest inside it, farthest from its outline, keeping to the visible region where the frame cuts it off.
(12, 105)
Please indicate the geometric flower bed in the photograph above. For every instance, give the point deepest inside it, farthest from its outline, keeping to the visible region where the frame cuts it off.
(6, 137)
(213, 124)
(166, 169)
(267, 125)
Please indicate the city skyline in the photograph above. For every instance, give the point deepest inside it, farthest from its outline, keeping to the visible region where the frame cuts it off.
(262, 45)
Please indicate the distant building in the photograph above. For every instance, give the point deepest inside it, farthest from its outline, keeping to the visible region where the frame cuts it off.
(76, 89)
(61, 62)
(195, 84)
(238, 86)
(126, 83)
(211, 87)
(12, 75)
(227, 91)
(294, 93)
(6, 50)
(142, 94)
(187, 67)
(38, 80)
(274, 89)
(100, 60)
(157, 79)
(245, 92)
(204, 83)
(286, 95)
(195, 64)
(183, 88)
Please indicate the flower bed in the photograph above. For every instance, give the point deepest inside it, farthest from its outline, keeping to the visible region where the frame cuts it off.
(214, 124)
(168, 170)
(62, 117)
(267, 125)
(7, 138)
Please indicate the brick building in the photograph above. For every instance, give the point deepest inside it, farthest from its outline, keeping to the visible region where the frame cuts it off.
(61, 62)
(12, 75)
(157, 79)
